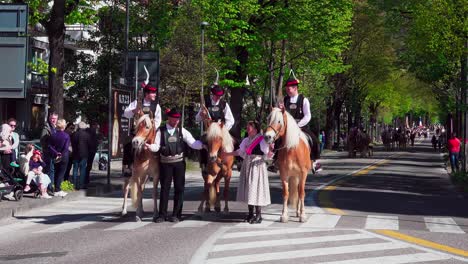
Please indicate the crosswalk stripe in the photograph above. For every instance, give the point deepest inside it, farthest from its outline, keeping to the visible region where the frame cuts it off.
(292, 241)
(398, 259)
(305, 253)
(322, 221)
(382, 222)
(442, 224)
(128, 226)
(269, 232)
(191, 223)
(70, 225)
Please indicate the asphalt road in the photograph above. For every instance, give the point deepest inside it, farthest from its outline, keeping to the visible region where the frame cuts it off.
(395, 207)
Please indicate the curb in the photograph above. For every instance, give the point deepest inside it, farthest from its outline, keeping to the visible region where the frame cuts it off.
(23, 207)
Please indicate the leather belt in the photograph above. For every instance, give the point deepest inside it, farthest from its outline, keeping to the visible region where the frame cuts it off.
(172, 159)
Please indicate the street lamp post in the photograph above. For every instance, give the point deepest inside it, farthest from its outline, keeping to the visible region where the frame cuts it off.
(202, 25)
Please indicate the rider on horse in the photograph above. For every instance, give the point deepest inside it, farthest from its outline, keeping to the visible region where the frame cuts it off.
(298, 106)
(216, 110)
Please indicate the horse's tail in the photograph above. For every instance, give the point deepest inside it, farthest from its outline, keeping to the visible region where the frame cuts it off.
(293, 184)
(134, 185)
(212, 194)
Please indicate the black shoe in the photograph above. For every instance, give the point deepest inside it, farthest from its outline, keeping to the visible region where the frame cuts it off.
(272, 168)
(159, 219)
(174, 219)
(256, 220)
(249, 218)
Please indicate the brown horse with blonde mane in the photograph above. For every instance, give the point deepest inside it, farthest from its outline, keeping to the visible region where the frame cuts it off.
(145, 164)
(218, 141)
(293, 160)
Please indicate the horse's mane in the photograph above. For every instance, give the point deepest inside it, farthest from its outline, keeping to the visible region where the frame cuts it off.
(147, 120)
(151, 135)
(215, 131)
(293, 131)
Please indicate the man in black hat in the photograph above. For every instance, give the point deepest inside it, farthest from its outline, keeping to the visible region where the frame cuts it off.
(150, 104)
(299, 107)
(169, 141)
(217, 109)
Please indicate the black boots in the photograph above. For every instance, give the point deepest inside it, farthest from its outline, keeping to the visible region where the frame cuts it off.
(250, 216)
(258, 215)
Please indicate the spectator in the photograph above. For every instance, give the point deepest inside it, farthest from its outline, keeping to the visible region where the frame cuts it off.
(24, 158)
(81, 145)
(47, 131)
(58, 148)
(70, 129)
(453, 145)
(94, 143)
(36, 165)
(12, 122)
(322, 140)
(6, 143)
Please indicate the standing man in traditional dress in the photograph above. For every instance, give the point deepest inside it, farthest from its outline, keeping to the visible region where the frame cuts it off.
(169, 141)
(299, 107)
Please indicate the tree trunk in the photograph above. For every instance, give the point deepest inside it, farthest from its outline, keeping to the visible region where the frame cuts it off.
(56, 33)
(279, 84)
(237, 94)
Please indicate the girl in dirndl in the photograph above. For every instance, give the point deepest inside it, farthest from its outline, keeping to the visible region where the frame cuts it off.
(253, 186)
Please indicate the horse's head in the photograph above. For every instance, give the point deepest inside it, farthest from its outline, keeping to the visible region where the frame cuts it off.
(145, 133)
(276, 125)
(217, 138)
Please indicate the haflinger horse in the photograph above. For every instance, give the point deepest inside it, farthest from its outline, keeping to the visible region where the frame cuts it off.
(293, 160)
(218, 141)
(145, 164)
(358, 141)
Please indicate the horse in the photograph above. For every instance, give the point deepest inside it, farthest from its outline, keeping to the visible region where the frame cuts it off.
(145, 163)
(387, 139)
(358, 141)
(293, 160)
(218, 141)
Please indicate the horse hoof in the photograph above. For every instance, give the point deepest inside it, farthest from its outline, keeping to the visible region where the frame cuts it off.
(226, 210)
(207, 210)
(123, 213)
(217, 209)
(200, 209)
(137, 219)
(284, 219)
(302, 218)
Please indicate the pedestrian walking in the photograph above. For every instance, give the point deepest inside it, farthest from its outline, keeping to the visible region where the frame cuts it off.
(453, 146)
(81, 143)
(58, 148)
(169, 141)
(47, 131)
(254, 188)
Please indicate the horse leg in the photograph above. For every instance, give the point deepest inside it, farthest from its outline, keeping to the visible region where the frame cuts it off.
(227, 181)
(301, 193)
(139, 210)
(284, 214)
(126, 189)
(217, 183)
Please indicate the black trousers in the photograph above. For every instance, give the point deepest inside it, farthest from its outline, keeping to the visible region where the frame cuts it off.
(172, 172)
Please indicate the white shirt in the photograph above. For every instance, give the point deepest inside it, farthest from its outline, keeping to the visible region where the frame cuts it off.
(229, 118)
(187, 137)
(305, 109)
(264, 147)
(128, 113)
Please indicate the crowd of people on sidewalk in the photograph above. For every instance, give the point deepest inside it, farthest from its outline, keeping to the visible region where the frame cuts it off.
(62, 147)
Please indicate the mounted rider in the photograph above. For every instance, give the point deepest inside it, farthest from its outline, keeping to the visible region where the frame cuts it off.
(148, 103)
(215, 109)
(298, 106)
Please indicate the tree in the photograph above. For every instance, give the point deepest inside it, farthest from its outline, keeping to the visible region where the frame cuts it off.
(53, 15)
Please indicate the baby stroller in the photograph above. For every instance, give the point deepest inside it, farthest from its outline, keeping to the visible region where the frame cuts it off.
(8, 184)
